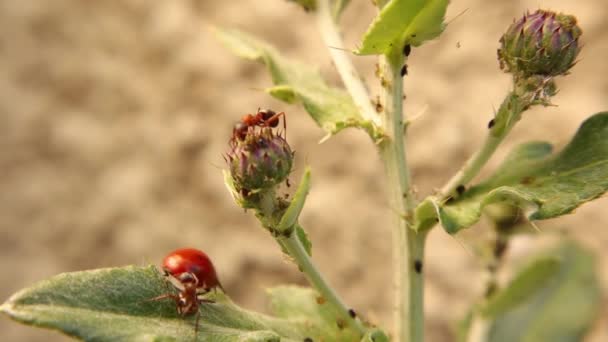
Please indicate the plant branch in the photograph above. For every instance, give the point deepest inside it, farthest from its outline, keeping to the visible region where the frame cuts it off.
(350, 77)
(270, 216)
(295, 249)
(472, 166)
(408, 246)
(507, 116)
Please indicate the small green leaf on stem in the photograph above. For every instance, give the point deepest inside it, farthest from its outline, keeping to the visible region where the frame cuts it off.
(290, 218)
(542, 185)
(524, 286)
(333, 109)
(375, 335)
(403, 22)
(304, 240)
(307, 5)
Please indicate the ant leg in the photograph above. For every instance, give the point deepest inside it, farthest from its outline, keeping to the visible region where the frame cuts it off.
(198, 317)
(164, 296)
(276, 117)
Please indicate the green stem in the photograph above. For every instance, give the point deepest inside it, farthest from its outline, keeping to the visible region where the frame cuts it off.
(339, 6)
(350, 77)
(472, 166)
(270, 217)
(295, 249)
(507, 116)
(408, 246)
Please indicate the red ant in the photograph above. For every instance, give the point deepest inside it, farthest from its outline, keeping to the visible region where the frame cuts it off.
(263, 118)
(187, 301)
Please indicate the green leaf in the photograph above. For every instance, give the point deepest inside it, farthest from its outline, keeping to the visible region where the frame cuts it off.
(563, 310)
(305, 305)
(333, 109)
(543, 185)
(307, 5)
(462, 328)
(292, 213)
(403, 22)
(304, 240)
(524, 286)
(375, 335)
(114, 305)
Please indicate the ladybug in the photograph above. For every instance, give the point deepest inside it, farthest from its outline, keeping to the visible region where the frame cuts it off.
(194, 262)
(194, 272)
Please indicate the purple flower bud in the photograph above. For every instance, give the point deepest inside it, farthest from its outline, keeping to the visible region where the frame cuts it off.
(542, 43)
(260, 161)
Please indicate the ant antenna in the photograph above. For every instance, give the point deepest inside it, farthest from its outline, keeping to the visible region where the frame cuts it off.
(471, 254)
(457, 16)
(416, 116)
(257, 89)
(535, 226)
(341, 49)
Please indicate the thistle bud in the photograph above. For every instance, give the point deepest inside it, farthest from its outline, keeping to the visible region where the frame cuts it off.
(261, 160)
(542, 43)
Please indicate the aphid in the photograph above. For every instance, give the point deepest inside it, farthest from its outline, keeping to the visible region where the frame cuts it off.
(352, 313)
(418, 266)
(460, 189)
(407, 49)
(404, 70)
(491, 123)
(263, 118)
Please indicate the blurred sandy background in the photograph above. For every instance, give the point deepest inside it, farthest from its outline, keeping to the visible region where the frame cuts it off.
(114, 116)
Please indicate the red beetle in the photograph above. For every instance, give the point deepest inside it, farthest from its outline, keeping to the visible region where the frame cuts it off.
(195, 262)
(195, 273)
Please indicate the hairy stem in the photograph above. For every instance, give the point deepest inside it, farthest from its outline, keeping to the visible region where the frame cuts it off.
(295, 249)
(408, 246)
(350, 77)
(507, 116)
(267, 213)
(472, 166)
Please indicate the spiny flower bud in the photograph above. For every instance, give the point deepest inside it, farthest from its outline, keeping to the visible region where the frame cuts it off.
(542, 43)
(260, 161)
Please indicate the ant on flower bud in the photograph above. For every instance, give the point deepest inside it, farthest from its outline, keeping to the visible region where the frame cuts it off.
(263, 118)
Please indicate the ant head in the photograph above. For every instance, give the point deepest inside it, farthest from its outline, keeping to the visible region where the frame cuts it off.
(267, 113)
(188, 279)
(240, 130)
(270, 117)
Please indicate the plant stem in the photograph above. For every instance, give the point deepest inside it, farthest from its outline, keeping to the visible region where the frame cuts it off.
(507, 116)
(408, 246)
(350, 77)
(295, 249)
(267, 213)
(472, 166)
